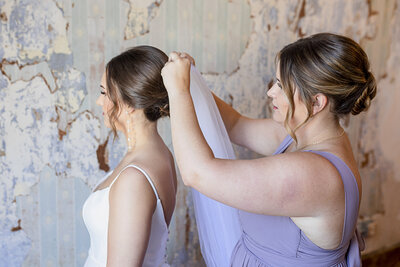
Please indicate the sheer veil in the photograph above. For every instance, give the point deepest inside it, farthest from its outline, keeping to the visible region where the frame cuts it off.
(218, 225)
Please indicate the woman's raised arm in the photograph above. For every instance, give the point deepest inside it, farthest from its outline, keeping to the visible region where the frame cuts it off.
(259, 135)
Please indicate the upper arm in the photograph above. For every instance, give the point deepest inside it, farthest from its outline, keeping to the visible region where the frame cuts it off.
(293, 184)
(132, 204)
(260, 135)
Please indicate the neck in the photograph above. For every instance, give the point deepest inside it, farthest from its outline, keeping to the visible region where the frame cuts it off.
(318, 130)
(139, 132)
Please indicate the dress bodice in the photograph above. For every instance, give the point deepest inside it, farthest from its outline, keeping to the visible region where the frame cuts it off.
(278, 241)
(96, 216)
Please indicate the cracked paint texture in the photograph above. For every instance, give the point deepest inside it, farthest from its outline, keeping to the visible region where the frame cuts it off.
(378, 153)
(139, 17)
(53, 143)
(24, 19)
(28, 146)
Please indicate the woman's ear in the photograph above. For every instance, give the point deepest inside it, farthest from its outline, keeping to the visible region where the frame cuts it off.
(127, 110)
(319, 103)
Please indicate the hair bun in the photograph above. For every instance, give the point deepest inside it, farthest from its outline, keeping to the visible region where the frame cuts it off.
(364, 100)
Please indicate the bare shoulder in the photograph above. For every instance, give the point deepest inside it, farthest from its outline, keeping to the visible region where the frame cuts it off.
(158, 163)
(312, 174)
(160, 166)
(316, 168)
(132, 185)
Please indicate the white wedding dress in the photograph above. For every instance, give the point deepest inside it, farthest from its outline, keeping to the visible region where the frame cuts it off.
(95, 215)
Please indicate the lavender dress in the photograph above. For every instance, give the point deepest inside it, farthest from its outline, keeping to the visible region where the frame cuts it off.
(269, 241)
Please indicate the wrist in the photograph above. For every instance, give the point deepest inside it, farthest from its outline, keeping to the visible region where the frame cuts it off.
(178, 93)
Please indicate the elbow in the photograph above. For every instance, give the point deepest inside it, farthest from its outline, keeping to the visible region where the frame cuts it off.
(192, 173)
(189, 178)
(195, 176)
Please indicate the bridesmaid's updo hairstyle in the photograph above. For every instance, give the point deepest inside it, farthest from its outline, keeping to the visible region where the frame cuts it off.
(134, 79)
(326, 63)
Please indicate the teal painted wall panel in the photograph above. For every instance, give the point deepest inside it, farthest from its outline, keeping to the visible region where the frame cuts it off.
(81, 237)
(48, 218)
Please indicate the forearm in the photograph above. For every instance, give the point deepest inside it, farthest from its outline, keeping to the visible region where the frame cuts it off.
(190, 147)
(229, 115)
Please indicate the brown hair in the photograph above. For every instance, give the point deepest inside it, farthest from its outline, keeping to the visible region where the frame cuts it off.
(326, 63)
(134, 78)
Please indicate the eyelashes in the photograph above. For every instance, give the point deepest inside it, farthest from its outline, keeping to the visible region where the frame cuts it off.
(102, 90)
(278, 82)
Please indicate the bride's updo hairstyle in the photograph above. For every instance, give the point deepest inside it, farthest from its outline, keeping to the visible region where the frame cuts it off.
(330, 64)
(134, 79)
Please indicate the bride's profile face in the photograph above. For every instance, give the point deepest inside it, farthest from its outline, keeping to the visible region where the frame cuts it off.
(104, 101)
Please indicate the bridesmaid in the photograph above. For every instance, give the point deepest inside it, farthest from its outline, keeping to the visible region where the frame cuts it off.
(299, 205)
(128, 213)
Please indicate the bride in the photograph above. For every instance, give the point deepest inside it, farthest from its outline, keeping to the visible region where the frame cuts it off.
(128, 213)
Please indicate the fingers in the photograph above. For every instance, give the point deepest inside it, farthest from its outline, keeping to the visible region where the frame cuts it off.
(175, 61)
(173, 56)
(185, 55)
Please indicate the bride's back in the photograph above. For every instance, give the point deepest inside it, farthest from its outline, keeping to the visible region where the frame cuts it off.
(156, 159)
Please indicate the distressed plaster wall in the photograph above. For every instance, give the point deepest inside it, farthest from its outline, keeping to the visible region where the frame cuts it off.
(54, 146)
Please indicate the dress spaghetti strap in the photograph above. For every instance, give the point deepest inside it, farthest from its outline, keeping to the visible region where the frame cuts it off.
(144, 173)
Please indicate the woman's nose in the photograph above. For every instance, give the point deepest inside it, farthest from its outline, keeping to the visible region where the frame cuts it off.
(270, 91)
(99, 100)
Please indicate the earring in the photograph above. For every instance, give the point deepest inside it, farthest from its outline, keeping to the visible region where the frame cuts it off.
(128, 126)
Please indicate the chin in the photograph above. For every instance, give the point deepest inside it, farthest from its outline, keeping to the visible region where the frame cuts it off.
(107, 123)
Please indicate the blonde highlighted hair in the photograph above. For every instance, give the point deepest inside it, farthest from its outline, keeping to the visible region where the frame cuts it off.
(330, 64)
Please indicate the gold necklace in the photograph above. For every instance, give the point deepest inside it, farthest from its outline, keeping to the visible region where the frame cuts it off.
(322, 140)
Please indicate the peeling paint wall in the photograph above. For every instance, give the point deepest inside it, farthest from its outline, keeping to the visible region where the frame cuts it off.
(378, 143)
(54, 146)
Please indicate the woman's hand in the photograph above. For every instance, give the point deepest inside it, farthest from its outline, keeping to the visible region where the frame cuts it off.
(186, 55)
(176, 73)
